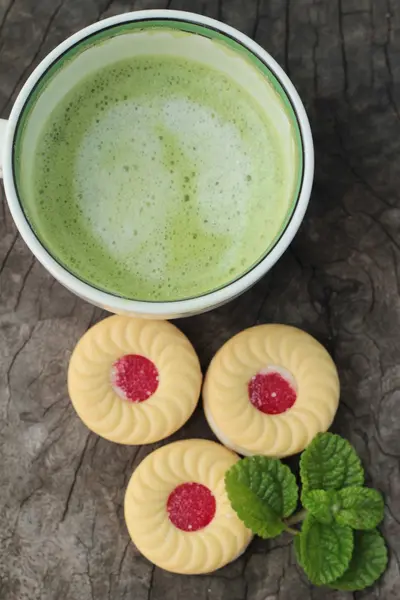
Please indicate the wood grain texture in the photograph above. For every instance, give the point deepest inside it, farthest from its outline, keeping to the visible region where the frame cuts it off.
(62, 532)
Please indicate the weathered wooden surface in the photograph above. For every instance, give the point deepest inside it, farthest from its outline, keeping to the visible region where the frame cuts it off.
(62, 530)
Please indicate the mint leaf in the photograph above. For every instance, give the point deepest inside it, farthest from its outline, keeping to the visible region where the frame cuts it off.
(297, 548)
(361, 508)
(262, 491)
(325, 550)
(357, 507)
(330, 463)
(321, 504)
(271, 480)
(254, 512)
(368, 563)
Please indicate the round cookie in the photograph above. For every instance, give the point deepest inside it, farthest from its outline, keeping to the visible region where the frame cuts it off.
(134, 381)
(177, 511)
(269, 390)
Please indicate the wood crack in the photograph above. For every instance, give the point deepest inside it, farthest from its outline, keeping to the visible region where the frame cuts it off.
(343, 51)
(10, 368)
(74, 480)
(121, 562)
(46, 32)
(219, 10)
(24, 280)
(287, 35)
(52, 405)
(6, 13)
(262, 303)
(5, 259)
(105, 9)
(386, 45)
(314, 57)
(256, 19)
(346, 160)
(151, 581)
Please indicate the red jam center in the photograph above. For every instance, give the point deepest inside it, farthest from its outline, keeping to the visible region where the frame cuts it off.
(191, 506)
(271, 393)
(135, 377)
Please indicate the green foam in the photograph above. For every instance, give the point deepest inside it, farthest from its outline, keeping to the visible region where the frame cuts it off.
(158, 178)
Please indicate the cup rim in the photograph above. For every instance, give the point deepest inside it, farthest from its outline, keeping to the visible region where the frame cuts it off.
(174, 307)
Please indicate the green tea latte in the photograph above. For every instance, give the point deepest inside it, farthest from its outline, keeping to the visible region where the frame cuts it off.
(158, 178)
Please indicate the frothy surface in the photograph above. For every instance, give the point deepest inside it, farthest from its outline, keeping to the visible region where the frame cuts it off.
(158, 179)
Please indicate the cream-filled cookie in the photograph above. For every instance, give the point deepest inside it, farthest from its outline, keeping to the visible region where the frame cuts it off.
(269, 390)
(134, 381)
(177, 511)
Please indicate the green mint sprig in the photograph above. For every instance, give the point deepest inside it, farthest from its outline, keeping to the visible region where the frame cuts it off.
(338, 544)
(262, 491)
(358, 507)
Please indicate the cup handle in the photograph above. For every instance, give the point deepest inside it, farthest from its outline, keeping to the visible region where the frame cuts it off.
(3, 127)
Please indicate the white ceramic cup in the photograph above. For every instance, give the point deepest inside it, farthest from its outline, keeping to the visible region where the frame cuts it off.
(244, 60)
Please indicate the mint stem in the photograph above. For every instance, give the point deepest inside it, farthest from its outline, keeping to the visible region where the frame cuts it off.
(291, 530)
(297, 517)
